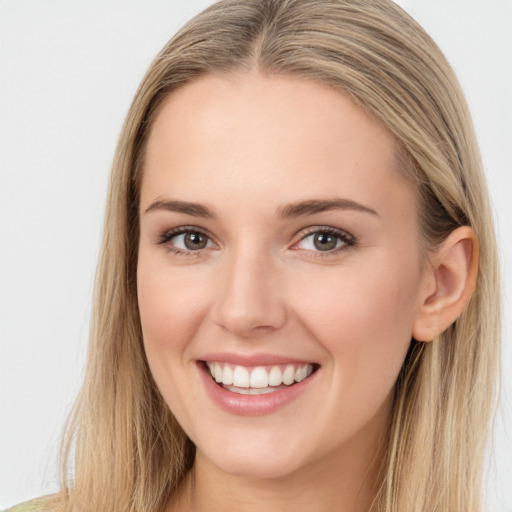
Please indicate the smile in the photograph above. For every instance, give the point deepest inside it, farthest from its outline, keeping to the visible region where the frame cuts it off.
(256, 384)
(260, 379)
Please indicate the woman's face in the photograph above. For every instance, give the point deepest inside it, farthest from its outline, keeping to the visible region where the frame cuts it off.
(278, 244)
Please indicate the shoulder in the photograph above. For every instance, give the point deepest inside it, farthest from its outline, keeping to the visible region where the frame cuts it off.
(28, 506)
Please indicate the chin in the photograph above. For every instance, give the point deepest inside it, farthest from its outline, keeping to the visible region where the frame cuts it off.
(254, 457)
(259, 467)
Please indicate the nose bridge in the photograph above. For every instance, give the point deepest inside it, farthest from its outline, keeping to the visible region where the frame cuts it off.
(249, 300)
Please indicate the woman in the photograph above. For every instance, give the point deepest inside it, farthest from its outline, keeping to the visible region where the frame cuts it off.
(333, 347)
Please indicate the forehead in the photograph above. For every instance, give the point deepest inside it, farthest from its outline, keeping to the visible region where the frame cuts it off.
(248, 134)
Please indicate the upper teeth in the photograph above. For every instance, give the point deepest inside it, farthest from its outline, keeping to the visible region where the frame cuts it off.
(259, 376)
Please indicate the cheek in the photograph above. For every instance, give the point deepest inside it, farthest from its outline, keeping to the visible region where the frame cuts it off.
(363, 318)
(171, 305)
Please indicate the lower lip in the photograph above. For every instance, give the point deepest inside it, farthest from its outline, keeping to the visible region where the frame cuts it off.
(252, 405)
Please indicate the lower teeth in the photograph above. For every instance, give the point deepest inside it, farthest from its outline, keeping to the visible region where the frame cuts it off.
(253, 391)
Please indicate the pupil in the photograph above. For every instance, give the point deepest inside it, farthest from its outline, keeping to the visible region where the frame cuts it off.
(194, 241)
(324, 242)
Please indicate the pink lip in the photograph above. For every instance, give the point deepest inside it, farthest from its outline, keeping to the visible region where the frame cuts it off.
(251, 405)
(252, 359)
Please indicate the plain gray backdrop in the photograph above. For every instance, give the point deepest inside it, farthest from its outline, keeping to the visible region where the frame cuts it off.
(68, 71)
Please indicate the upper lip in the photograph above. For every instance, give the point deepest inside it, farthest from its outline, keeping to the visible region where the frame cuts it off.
(253, 359)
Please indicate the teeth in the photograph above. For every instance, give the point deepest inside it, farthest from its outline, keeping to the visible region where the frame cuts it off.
(227, 375)
(217, 373)
(259, 378)
(275, 377)
(289, 375)
(301, 373)
(241, 377)
(264, 379)
(250, 391)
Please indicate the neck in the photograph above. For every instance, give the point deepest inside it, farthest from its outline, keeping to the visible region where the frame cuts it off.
(347, 480)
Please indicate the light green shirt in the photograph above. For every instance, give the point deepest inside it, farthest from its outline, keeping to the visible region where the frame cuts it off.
(27, 506)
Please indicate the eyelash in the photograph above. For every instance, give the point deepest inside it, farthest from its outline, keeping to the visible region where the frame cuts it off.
(165, 239)
(347, 240)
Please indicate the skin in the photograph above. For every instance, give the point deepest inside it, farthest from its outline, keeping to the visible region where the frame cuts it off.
(244, 147)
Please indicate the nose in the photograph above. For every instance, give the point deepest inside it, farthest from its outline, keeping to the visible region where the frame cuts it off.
(249, 302)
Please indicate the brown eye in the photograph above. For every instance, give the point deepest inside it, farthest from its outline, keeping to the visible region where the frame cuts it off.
(193, 241)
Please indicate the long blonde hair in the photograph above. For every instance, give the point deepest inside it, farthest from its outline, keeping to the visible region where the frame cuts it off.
(129, 453)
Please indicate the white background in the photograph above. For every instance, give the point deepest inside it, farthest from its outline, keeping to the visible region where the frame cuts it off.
(68, 71)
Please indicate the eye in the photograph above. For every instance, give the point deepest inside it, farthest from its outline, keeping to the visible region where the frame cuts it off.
(191, 241)
(183, 240)
(325, 240)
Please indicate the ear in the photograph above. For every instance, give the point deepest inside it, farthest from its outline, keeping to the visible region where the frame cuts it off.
(449, 283)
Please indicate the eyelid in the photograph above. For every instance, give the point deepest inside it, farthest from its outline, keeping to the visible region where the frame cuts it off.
(166, 237)
(347, 239)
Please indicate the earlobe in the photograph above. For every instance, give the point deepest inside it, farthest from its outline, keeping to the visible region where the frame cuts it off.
(449, 284)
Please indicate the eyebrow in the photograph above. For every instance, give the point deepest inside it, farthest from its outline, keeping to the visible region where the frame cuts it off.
(195, 209)
(292, 210)
(312, 206)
